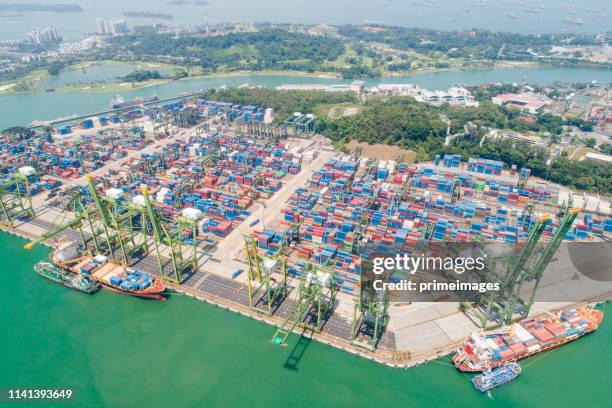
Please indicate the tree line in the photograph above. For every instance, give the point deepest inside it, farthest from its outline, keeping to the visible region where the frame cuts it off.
(266, 49)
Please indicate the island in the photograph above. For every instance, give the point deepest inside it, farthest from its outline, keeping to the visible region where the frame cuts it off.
(147, 14)
(54, 8)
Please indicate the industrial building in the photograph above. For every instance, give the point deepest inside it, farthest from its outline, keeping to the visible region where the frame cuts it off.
(454, 96)
(528, 102)
(357, 87)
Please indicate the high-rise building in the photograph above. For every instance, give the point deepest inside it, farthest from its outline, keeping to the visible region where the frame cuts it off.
(111, 27)
(101, 29)
(44, 36)
(118, 27)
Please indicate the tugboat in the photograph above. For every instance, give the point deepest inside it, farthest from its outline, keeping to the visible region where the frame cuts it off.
(496, 377)
(77, 282)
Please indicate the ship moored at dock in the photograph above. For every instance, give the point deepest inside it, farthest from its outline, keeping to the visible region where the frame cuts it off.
(76, 282)
(111, 276)
(494, 348)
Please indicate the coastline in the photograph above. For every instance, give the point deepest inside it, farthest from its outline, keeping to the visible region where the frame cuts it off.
(387, 357)
(40, 75)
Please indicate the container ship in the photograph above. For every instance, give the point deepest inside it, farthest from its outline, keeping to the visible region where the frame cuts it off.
(118, 102)
(112, 277)
(491, 349)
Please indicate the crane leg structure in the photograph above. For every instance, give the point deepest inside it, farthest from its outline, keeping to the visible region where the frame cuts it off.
(315, 303)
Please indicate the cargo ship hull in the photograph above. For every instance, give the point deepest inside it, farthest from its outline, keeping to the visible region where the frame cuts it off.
(110, 276)
(118, 279)
(119, 103)
(482, 350)
(157, 294)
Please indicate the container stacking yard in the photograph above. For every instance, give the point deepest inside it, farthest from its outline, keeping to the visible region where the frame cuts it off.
(260, 218)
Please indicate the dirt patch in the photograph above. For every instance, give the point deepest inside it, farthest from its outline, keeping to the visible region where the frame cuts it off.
(338, 111)
(382, 151)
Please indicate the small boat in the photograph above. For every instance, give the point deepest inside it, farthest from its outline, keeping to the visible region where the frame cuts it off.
(72, 281)
(496, 377)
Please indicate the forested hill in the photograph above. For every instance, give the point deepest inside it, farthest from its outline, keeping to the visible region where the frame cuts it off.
(266, 49)
(466, 43)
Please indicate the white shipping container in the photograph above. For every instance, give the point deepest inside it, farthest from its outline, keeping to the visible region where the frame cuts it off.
(114, 193)
(100, 259)
(27, 170)
(139, 200)
(192, 213)
(409, 224)
(522, 333)
(491, 344)
(533, 348)
(159, 197)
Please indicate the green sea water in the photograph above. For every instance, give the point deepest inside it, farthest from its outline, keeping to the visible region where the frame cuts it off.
(118, 351)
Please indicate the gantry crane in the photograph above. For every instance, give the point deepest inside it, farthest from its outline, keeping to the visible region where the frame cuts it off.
(113, 231)
(169, 235)
(302, 123)
(370, 315)
(129, 225)
(266, 278)
(76, 223)
(507, 281)
(314, 304)
(528, 267)
(523, 178)
(15, 198)
(455, 192)
(533, 272)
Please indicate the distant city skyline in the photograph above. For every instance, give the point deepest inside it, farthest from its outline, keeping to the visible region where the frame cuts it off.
(527, 16)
